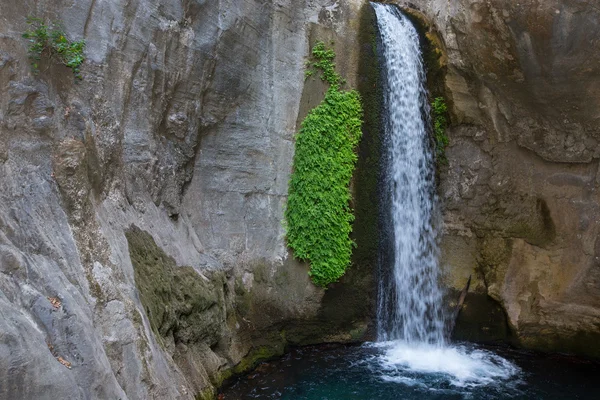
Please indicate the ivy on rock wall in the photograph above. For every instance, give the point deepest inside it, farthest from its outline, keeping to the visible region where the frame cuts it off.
(50, 40)
(440, 124)
(319, 217)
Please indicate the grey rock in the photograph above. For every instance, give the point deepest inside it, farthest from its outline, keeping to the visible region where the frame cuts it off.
(522, 82)
(182, 126)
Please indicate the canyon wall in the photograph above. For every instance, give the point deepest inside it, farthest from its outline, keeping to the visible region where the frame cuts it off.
(142, 250)
(520, 192)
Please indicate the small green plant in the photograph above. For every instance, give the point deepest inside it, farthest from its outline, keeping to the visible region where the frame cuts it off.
(323, 61)
(318, 214)
(439, 112)
(49, 40)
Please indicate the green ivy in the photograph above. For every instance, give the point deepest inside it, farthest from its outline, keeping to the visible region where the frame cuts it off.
(50, 40)
(439, 110)
(318, 214)
(323, 61)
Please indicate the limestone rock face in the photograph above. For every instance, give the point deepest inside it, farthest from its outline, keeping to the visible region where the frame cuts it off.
(161, 177)
(521, 190)
(141, 239)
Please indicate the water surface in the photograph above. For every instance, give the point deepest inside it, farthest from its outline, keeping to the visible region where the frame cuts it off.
(384, 372)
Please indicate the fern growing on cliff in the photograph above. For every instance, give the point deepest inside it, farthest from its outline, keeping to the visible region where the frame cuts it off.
(319, 217)
(440, 124)
(50, 40)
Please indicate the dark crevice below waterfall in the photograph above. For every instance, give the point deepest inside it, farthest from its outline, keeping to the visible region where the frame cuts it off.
(412, 358)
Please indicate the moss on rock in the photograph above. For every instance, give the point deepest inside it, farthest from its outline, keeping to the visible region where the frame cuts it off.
(206, 394)
(179, 302)
(255, 356)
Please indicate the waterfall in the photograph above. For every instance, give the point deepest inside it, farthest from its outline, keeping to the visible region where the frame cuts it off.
(409, 315)
(409, 305)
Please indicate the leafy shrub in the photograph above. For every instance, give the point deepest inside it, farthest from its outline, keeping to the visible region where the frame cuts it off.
(319, 217)
(324, 62)
(49, 40)
(439, 111)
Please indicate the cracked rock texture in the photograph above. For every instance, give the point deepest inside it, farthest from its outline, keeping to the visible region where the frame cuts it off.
(141, 238)
(520, 193)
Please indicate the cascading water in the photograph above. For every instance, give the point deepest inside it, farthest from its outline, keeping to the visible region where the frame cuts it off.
(409, 300)
(410, 320)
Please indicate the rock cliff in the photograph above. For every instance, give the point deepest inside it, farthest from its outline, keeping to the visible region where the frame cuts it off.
(520, 191)
(141, 238)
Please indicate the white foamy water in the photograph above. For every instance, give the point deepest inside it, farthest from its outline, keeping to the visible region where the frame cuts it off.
(460, 365)
(410, 319)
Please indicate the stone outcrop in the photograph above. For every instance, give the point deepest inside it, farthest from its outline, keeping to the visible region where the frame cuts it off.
(520, 192)
(141, 238)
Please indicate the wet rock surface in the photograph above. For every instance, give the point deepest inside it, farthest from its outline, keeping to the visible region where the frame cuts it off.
(182, 132)
(520, 191)
(147, 199)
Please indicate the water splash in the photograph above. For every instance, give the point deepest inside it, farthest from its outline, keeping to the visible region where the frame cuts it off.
(462, 366)
(409, 298)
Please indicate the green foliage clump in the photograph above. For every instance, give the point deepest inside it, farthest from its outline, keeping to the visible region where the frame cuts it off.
(49, 40)
(323, 61)
(439, 118)
(319, 217)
